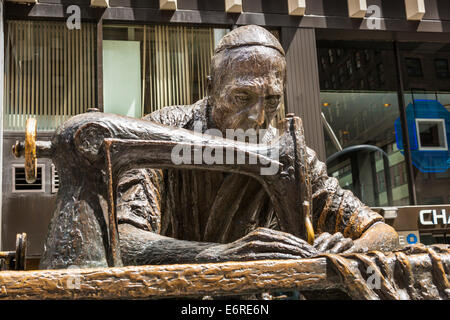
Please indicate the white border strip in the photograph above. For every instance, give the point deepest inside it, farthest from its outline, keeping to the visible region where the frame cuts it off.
(438, 120)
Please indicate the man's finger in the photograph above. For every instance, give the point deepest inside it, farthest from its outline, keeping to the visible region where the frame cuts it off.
(276, 247)
(268, 235)
(342, 245)
(330, 242)
(321, 238)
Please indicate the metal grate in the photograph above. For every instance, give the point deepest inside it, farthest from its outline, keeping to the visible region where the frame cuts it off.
(21, 185)
(55, 179)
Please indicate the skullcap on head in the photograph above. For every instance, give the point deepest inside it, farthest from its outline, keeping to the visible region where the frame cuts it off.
(250, 35)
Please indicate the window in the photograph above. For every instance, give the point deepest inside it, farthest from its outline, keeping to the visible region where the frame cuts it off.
(380, 69)
(428, 137)
(413, 67)
(21, 185)
(358, 60)
(431, 134)
(331, 56)
(381, 181)
(349, 67)
(49, 73)
(323, 62)
(367, 54)
(441, 66)
(362, 110)
(174, 60)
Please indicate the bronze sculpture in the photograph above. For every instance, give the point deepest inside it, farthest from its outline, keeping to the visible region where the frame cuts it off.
(248, 65)
(200, 230)
(113, 210)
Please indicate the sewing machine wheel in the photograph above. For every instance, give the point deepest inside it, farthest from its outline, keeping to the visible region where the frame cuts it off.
(30, 151)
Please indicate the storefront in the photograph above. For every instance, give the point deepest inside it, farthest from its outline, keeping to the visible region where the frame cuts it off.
(360, 97)
(425, 224)
(358, 90)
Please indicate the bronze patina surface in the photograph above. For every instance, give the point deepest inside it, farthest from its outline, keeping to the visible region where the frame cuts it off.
(416, 272)
(124, 201)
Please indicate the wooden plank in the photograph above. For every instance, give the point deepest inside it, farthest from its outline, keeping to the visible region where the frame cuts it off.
(144, 282)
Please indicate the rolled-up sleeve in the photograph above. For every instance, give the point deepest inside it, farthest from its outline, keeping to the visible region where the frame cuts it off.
(336, 209)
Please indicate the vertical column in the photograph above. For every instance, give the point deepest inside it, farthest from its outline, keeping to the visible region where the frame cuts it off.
(405, 133)
(302, 96)
(2, 62)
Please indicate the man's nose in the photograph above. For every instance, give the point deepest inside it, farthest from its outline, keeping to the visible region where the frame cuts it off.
(256, 112)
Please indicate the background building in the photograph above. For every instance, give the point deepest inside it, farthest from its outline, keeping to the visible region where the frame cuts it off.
(353, 70)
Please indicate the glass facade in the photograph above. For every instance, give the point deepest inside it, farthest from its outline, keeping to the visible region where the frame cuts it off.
(50, 73)
(174, 61)
(430, 81)
(360, 106)
(50, 70)
(174, 64)
(359, 101)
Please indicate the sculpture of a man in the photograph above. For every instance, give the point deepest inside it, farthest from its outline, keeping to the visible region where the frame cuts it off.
(181, 216)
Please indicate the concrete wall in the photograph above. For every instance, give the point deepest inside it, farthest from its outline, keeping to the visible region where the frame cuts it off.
(327, 14)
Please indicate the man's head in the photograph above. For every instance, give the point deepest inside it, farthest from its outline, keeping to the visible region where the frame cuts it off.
(248, 72)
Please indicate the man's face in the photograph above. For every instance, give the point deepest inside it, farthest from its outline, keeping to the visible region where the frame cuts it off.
(247, 89)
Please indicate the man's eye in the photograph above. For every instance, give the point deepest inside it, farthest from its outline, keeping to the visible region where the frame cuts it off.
(241, 98)
(273, 101)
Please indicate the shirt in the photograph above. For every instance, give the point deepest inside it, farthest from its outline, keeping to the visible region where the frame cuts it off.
(210, 206)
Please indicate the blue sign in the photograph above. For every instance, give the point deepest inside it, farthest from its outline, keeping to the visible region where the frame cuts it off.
(411, 238)
(428, 123)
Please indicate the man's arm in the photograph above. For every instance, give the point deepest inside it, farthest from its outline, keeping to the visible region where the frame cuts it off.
(139, 216)
(346, 224)
(141, 220)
